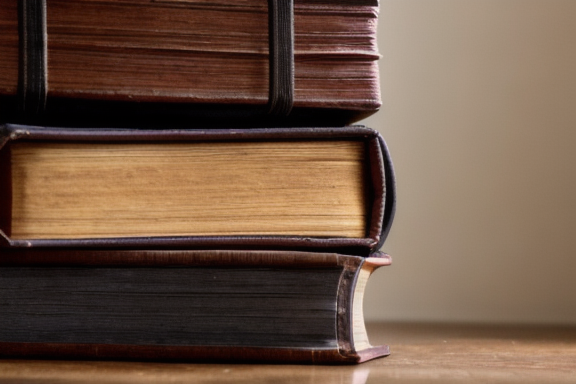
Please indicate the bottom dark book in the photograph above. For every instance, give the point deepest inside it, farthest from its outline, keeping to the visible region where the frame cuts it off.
(259, 306)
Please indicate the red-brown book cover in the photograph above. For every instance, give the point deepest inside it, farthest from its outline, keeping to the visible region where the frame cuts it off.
(311, 62)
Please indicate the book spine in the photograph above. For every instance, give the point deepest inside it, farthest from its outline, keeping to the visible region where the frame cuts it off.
(34, 268)
(381, 187)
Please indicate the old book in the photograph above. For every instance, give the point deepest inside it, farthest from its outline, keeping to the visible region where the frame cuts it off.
(83, 61)
(293, 188)
(185, 305)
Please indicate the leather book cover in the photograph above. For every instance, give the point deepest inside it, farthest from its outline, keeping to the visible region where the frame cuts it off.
(240, 306)
(275, 62)
(377, 183)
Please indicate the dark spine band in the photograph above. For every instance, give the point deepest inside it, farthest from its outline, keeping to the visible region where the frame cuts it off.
(32, 75)
(281, 25)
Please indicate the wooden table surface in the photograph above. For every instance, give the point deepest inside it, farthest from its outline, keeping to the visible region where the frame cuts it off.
(421, 353)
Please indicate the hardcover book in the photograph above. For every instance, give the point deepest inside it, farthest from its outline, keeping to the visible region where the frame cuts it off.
(281, 61)
(295, 188)
(267, 306)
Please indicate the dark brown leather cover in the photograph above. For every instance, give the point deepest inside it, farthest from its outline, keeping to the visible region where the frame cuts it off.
(195, 354)
(382, 183)
(346, 353)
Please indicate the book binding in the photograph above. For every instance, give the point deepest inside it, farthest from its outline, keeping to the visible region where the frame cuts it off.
(382, 188)
(286, 323)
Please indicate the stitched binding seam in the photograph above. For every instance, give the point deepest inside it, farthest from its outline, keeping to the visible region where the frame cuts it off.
(281, 37)
(32, 74)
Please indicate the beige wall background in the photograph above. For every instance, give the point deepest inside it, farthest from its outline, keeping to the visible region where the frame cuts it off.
(480, 117)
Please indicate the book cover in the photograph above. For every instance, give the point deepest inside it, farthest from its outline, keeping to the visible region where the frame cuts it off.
(269, 62)
(259, 306)
(295, 188)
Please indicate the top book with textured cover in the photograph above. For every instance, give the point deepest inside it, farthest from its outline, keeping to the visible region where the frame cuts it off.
(275, 62)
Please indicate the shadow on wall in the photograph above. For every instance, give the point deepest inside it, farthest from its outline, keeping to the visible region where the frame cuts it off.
(479, 113)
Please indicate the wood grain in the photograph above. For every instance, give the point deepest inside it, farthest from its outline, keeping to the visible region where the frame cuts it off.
(475, 353)
(74, 190)
(421, 353)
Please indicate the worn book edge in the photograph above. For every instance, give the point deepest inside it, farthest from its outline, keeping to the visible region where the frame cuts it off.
(353, 345)
(380, 169)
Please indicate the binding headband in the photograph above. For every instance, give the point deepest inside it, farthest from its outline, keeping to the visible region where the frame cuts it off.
(281, 37)
(32, 76)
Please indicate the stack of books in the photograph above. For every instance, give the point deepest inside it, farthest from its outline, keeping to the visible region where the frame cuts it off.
(179, 179)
